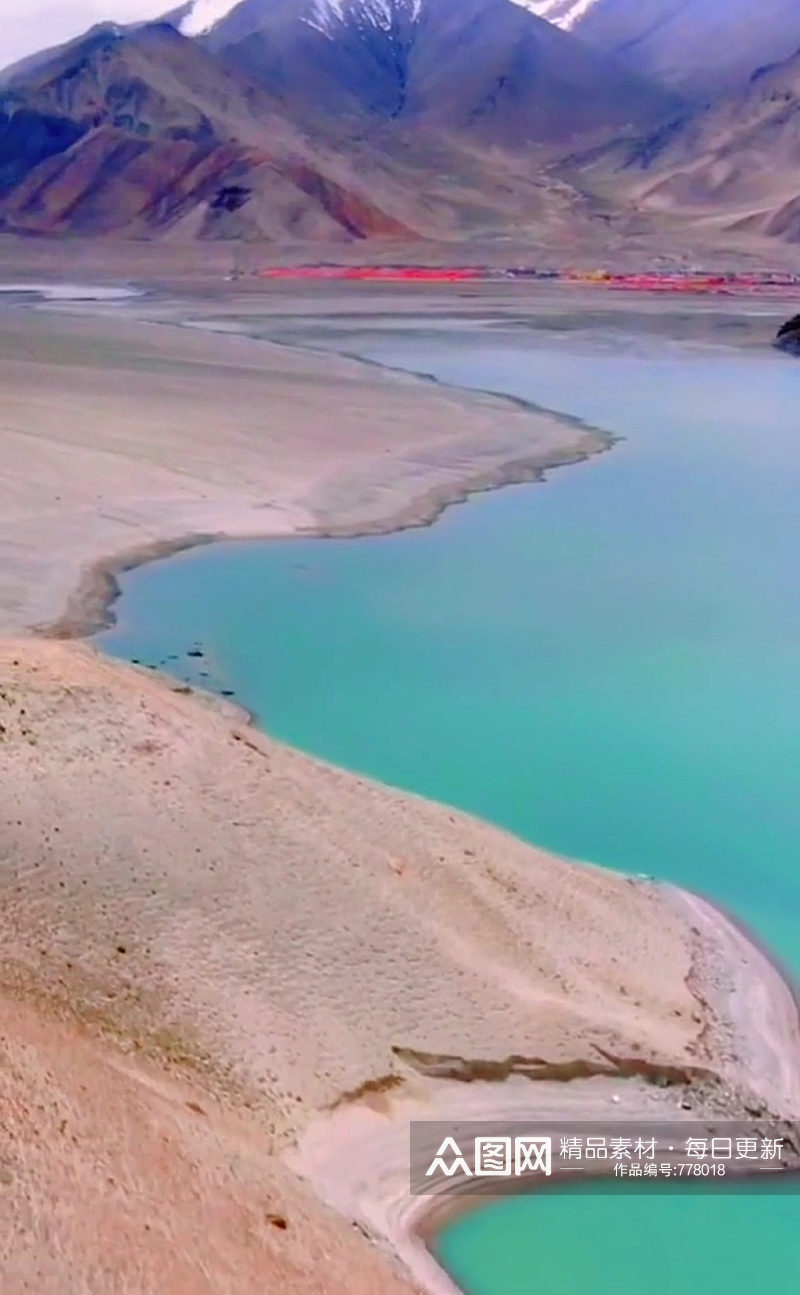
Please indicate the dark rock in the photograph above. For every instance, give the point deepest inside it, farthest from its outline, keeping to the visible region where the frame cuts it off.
(788, 336)
(27, 138)
(231, 197)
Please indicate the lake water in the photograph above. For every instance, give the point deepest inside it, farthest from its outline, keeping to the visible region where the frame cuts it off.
(606, 664)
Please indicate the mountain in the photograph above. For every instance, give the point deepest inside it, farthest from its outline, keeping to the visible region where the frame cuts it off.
(144, 132)
(141, 129)
(311, 119)
(489, 69)
(736, 164)
(333, 120)
(702, 47)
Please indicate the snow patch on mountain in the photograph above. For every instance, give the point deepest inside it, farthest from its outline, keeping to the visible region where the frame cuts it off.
(562, 13)
(326, 15)
(205, 14)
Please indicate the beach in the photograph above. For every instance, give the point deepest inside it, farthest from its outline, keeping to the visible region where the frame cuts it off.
(279, 962)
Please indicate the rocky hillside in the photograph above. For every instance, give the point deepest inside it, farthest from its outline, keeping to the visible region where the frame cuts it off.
(737, 162)
(141, 129)
(303, 120)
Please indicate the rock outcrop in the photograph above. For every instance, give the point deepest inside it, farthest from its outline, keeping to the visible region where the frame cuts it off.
(788, 336)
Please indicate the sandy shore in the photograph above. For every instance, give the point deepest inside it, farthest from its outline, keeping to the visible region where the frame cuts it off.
(229, 973)
(120, 438)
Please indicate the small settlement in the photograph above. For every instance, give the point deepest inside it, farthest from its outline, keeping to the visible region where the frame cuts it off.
(688, 281)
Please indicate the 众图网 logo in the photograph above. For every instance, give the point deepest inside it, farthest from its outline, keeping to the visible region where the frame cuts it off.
(489, 1157)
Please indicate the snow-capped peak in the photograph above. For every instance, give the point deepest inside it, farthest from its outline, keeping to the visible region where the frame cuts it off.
(200, 16)
(203, 15)
(326, 15)
(562, 13)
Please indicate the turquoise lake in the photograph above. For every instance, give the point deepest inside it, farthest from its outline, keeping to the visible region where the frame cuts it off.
(606, 664)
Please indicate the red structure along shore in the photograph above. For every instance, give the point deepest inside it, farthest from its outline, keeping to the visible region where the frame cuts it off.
(692, 281)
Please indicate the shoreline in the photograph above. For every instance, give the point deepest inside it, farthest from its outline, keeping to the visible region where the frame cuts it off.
(89, 608)
(417, 1223)
(453, 444)
(730, 961)
(350, 1131)
(353, 1152)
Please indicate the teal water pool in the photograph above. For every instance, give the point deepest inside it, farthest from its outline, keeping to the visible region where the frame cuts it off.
(622, 1243)
(605, 664)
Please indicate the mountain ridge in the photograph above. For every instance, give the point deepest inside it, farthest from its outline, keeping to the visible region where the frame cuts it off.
(702, 47)
(740, 156)
(732, 166)
(489, 67)
(334, 120)
(377, 118)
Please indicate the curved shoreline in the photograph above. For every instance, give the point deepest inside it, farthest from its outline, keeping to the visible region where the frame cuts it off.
(412, 1224)
(89, 607)
(439, 446)
(91, 602)
(740, 1045)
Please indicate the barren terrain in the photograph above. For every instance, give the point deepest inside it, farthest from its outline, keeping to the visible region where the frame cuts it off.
(229, 973)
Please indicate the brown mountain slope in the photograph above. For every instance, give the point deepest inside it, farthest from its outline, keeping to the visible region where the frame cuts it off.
(140, 129)
(143, 132)
(737, 163)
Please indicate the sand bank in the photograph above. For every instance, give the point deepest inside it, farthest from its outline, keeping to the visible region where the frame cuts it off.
(120, 438)
(269, 962)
